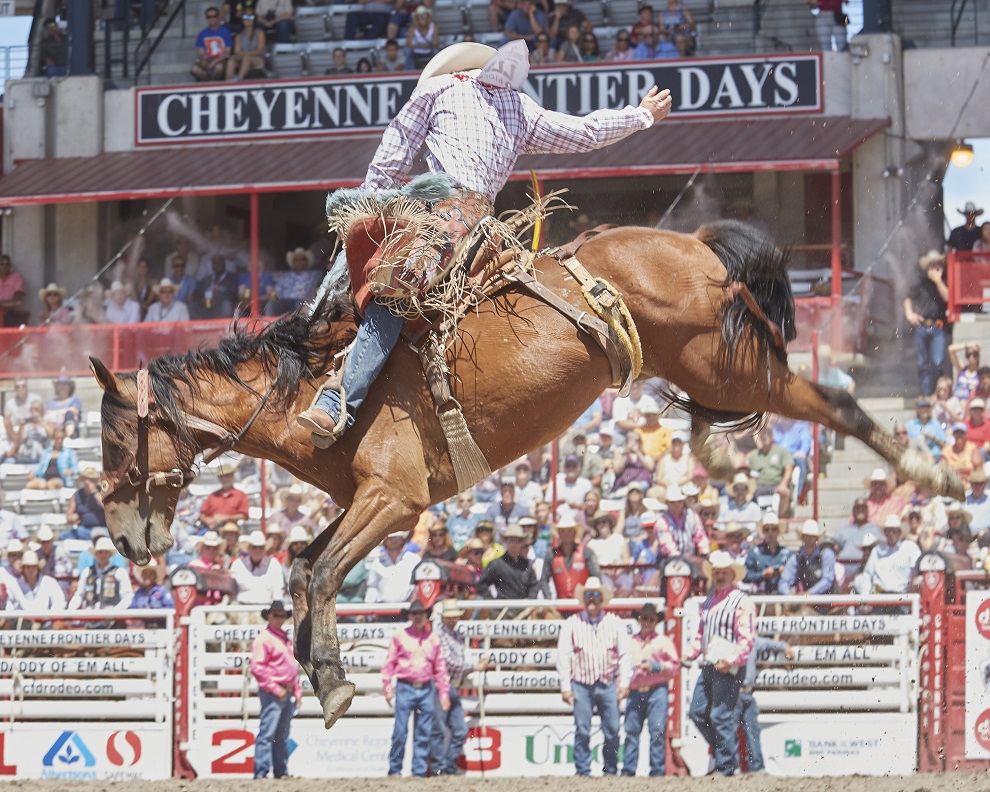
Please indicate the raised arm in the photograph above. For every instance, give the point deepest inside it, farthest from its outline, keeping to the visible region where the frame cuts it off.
(401, 142)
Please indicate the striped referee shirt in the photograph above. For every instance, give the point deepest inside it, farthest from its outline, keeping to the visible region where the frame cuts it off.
(590, 652)
(730, 615)
(475, 133)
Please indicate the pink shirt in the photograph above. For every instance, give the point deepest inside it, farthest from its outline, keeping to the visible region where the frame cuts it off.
(11, 285)
(657, 649)
(415, 657)
(273, 663)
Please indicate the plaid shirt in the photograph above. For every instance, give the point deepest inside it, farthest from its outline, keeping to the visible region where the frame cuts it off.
(475, 133)
(452, 646)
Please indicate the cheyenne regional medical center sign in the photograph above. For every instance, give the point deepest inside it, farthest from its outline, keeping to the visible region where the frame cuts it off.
(353, 105)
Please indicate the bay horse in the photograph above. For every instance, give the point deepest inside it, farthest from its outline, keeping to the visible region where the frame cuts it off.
(523, 374)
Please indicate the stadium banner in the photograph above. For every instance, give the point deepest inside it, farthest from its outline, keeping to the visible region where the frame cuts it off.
(977, 675)
(359, 747)
(86, 751)
(701, 88)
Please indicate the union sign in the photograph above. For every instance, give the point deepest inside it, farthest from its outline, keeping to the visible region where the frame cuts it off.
(776, 84)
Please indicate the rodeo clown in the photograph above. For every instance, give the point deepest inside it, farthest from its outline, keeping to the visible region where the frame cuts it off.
(475, 123)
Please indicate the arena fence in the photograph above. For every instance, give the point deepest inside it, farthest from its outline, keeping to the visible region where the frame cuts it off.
(881, 684)
(968, 280)
(86, 697)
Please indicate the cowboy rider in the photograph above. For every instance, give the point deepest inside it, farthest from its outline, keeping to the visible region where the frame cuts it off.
(475, 125)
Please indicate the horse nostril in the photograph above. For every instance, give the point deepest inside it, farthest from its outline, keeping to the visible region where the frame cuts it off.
(123, 546)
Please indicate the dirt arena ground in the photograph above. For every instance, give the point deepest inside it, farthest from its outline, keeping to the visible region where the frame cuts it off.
(952, 782)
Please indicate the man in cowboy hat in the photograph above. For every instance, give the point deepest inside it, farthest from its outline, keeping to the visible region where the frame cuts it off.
(965, 236)
(390, 570)
(167, 308)
(54, 560)
(880, 498)
(654, 663)
(849, 536)
(85, 510)
(891, 565)
(925, 429)
(152, 593)
(766, 561)
(567, 563)
(924, 309)
(595, 665)
(289, 516)
(258, 576)
(450, 728)
(681, 531)
(274, 667)
(740, 507)
(811, 570)
(210, 560)
(724, 641)
(296, 285)
(978, 502)
(103, 586)
(475, 123)
(227, 504)
(414, 676)
(512, 574)
(961, 546)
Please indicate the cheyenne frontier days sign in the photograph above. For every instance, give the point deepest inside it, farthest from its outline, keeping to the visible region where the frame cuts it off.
(351, 105)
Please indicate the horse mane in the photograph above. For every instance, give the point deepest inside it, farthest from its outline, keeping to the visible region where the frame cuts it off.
(297, 346)
(749, 257)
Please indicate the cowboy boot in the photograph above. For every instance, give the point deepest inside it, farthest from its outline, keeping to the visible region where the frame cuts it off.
(324, 430)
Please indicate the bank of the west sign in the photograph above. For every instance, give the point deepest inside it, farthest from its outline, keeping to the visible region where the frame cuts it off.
(764, 84)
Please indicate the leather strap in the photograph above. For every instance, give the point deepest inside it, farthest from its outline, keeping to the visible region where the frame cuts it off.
(599, 331)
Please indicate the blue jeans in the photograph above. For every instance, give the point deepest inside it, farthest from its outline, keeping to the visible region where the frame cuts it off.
(749, 713)
(271, 747)
(449, 734)
(715, 711)
(650, 706)
(929, 356)
(80, 532)
(377, 335)
(588, 698)
(417, 702)
(372, 23)
(282, 33)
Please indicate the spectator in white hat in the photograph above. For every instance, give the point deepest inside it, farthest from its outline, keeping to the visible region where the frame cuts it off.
(723, 643)
(153, 593)
(390, 570)
(739, 506)
(655, 436)
(87, 557)
(681, 531)
(891, 565)
(290, 515)
(258, 576)
(881, 500)
(54, 561)
(34, 591)
(167, 308)
(103, 586)
(296, 542)
(568, 563)
(121, 309)
(677, 465)
(812, 569)
(210, 560)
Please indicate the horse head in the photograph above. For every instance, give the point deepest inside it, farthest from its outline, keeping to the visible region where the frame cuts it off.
(145, 466)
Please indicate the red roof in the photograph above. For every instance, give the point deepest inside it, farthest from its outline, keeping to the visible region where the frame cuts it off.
(792, 143)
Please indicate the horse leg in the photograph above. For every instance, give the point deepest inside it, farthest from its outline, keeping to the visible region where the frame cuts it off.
(797, 398)
(709, 452)
(299, 577)
(375, 513)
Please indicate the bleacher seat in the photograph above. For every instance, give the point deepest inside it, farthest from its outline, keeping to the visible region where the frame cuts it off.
(594, 10)
(319, 59)
(55, 521)
(287, 61)
(74, 548)
(312, 24)
(477, 18)
(623, 13)
(92, 423)
(32, 521)
(451, 17)
(88, 449)
(14, 477)
(201, 490)
(40, 501)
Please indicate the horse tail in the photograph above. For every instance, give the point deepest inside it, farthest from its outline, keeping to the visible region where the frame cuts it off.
(752, 259)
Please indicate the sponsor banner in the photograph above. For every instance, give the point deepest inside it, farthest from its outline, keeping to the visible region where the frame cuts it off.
(11, 639)
(359, 747)
(86, 751)
(531, 630)
(977, 675)
(700, 88)
(823, 625)
(820, 655)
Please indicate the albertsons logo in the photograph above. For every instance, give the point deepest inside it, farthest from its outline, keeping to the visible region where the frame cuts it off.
(69, 757)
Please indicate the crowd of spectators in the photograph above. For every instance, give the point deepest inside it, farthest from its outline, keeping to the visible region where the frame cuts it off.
(236, 38)
(629, 495)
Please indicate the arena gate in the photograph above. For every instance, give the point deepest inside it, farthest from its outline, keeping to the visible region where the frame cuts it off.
(86, 697)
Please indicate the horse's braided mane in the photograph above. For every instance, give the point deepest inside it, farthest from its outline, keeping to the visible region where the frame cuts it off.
(297, 346)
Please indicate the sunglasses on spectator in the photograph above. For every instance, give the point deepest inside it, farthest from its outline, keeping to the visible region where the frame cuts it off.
(772, 529)
(707, 512)
(212, 16)
(901, 432)
(972, 353)
(592, 596)
(476, 552)
(247, 16)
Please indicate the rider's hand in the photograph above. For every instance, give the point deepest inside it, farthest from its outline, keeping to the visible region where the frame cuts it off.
(657, 102)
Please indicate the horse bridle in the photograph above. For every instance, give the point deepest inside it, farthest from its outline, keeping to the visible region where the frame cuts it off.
(133, 471)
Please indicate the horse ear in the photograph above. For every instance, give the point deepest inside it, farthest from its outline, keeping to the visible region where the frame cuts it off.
(103, 375)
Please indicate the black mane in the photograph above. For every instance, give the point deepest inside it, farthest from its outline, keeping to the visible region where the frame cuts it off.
(297, 346)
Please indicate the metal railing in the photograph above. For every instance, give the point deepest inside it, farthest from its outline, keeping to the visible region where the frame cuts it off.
(14, 61)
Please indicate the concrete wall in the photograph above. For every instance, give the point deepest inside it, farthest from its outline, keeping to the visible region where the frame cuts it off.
(937, 84)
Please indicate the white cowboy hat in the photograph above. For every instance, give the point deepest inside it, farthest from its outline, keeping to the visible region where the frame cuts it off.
(566, 520)
(674, 494)
(449, 610)
(51, 288)
(722, 560)
(271, 528)
(931, 257)
(45, 534)
(30, 558)
(593, 584)
(879, 474)
(299, 534)
(299, 251)
(256, 539)
(893, 521)
(648, 406)
(769, 518)
(812, 528)
(744, 480)
(210, 539)
(691, 490)
(958, 508)
(104, 543)
(869, 539)
(463, 56)
(15, 546)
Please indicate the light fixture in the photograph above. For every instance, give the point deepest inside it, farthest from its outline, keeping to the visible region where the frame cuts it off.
(962, 154)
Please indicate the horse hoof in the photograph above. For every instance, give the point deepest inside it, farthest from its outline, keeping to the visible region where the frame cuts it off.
(321, 442)
(337, 702)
